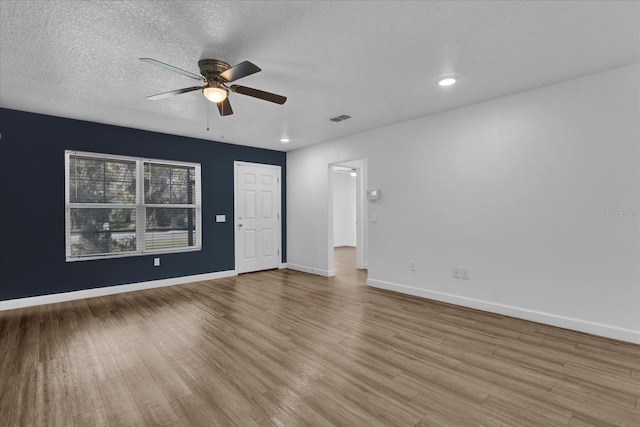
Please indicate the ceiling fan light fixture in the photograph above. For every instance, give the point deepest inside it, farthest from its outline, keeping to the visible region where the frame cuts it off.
(215, 94)
(447, 81)
(216, 75)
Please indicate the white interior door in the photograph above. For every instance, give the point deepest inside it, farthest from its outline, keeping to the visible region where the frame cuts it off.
(257, 219)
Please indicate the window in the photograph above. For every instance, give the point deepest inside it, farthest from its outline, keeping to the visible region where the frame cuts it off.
(122, 206)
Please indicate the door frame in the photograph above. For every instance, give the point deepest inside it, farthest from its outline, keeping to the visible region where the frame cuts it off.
(360, 165)
(236, 229)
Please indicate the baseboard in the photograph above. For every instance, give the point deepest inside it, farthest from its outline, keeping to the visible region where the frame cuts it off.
(311, 270)
(608, 331)
(282, 266)
(110, 290)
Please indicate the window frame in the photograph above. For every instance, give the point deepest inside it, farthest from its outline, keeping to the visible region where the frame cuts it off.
(139, 206)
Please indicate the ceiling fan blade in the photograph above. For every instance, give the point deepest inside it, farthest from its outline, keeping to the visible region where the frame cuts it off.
(172, 68)
(239, 71)
(267, 96)
(173, 93)
(224, 107)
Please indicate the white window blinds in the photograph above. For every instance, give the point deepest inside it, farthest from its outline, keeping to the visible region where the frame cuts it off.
(121, 206)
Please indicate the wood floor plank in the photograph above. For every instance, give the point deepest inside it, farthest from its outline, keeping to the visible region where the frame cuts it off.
(192, 410)
(520, 415)
(234, 399)
(443, 409)
(594, 375)
(114, 338)
(51, 343)
(170, 382)
(84, 395)
(282, 406)
(159, 415)
(130, 418)
(9, 330)
(70, 329)
(524, 358)
(324, 397)
(95, 418)
(18, 403)
(579, 422)
(143, 386)
(28, 345)
(53, 406)
(596, 394)
(602, 410)
(618, 353)
(98, 355)
(284, 348)
(117, 396)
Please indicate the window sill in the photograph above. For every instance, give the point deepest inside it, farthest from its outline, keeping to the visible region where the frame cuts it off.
(132, 254)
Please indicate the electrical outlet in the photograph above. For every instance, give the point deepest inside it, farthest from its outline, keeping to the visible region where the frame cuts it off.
(456, 272)
(413, 266)
(156, 262)
(464, 273)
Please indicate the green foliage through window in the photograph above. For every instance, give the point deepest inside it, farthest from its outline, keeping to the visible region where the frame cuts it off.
(107, 215)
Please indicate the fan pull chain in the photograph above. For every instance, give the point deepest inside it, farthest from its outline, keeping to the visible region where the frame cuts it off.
(207, 116)
(221, 122)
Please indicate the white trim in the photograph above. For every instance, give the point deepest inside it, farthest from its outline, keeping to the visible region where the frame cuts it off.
(282, 266)
(110, 290)
(311, 270)
(130, 254)
(360, 165)
(237, 243)
(129, 158)
(266, 165)
(139, 206)
(608, 331)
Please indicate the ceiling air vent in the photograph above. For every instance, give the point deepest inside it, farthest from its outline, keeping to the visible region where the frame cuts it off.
(340, 118)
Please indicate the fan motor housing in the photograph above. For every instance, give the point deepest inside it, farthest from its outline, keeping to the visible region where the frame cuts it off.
(211, 68)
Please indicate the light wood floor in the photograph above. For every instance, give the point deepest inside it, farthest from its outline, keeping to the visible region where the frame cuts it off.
(281, 348)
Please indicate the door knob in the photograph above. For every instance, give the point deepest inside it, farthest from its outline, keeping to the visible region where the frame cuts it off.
(239, 225)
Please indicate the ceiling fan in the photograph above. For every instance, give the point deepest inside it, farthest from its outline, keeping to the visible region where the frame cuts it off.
(217, 75)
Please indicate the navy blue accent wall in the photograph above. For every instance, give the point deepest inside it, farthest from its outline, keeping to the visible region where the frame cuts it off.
(32, 232)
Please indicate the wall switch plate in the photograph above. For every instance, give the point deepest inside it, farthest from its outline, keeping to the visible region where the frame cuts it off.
(413, 266)
(156, 262)
(455, 271)
(221, 218)
(373, 195)
(373, 218)
(464, 273)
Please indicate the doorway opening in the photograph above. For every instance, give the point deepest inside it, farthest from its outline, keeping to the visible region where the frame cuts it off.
(347, 228)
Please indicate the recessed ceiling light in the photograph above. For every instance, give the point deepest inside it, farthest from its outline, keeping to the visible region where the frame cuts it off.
(284, 140)
(447, 80)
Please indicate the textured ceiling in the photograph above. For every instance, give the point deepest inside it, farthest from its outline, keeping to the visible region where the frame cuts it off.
(375, 61)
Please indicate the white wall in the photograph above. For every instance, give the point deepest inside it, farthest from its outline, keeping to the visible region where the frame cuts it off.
(518, 189)
(344, 209)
